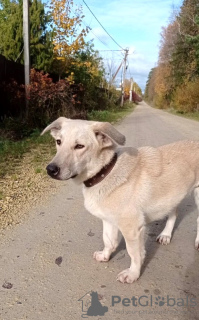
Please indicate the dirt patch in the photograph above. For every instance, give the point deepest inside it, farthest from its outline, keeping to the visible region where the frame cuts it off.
(26, 186)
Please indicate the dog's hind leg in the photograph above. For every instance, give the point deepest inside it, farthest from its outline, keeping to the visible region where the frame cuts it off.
(165, 236)
(196, 196)
(110, 238)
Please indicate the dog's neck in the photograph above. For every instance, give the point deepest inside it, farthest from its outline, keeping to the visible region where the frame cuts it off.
(102, 173)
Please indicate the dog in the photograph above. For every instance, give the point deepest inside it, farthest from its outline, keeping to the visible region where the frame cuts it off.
(124, 186)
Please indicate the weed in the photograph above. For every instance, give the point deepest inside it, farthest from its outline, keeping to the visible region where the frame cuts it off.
(38, 170)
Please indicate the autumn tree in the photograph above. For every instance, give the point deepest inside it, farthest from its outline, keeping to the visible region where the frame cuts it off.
(127, 86)
(86, 66)
(68, 35)
(135, 87)
(176, 77)
(149, 93)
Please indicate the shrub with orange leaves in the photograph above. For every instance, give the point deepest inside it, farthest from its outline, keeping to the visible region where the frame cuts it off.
(48, 100)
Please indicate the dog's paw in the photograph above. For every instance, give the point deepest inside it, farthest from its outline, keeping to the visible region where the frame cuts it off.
(197, 245)
(163, 239)
(101, 256)
(128, 276)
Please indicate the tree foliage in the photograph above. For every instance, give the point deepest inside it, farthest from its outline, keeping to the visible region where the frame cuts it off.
(11, 33)
(177, 72)
(135, 87)
(68, 35)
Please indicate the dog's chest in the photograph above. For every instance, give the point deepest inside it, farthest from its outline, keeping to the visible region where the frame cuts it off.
(93, 202)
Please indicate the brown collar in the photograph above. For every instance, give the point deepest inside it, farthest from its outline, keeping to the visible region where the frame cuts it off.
(102, 173)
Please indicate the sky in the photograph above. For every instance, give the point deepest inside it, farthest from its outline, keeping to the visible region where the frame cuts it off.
(133, 24)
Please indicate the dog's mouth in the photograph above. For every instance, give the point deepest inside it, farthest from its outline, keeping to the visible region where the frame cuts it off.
(74, 176)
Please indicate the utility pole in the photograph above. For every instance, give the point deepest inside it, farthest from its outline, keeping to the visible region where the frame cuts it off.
(26, 38)
(131, 89)
(118, 69)
(124, 76)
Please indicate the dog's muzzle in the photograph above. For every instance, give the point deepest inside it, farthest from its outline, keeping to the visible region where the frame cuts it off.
(52, 170)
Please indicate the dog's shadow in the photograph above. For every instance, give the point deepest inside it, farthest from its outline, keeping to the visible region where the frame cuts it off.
(187, 206)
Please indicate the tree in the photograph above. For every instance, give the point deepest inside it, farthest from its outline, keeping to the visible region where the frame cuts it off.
(68, 36)
(86, 66)
(11, 33)
(175, 80)
(41, 37)
(11, 29)
(185, 62)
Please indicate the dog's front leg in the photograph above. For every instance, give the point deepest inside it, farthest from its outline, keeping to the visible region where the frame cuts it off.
(134, 237)
(110, 238)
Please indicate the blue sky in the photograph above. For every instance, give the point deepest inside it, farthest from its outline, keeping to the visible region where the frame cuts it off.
(134, 24)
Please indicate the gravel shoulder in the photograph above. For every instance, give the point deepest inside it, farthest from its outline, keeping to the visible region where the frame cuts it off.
(46, 262)
(25, 187)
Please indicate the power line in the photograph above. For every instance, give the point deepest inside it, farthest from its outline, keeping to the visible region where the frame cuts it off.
(100, 40)
(102, 25)
(87, 26)
(95, 35)
(110, 50)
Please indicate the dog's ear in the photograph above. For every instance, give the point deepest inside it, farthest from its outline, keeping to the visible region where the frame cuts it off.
(107, 135)
(55, 126)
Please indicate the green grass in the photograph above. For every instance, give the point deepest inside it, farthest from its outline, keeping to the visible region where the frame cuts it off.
(38, 170)
(189, 115)
(11, 152)
(113, 115)
(18, 148)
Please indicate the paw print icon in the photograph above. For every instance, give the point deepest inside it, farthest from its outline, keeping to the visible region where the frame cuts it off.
(159, 301)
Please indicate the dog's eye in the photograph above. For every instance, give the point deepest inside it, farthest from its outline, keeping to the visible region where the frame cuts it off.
(79, 146)
(58, 142)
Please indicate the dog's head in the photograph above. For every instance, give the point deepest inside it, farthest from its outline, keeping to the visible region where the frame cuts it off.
(83, 147)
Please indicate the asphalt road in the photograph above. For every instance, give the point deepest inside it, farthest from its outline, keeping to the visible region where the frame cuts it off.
(46, 262)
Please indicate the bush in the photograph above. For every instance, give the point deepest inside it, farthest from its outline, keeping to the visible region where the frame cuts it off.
(48, 100)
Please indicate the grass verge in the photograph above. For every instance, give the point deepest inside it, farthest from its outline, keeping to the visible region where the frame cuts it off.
(11, 152)
(189, 115)
(113, 115)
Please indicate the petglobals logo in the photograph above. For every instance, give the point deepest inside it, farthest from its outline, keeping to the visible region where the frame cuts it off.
(91, 306)
(149, 301)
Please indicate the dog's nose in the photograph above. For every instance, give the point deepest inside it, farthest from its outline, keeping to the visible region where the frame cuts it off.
(52, 169)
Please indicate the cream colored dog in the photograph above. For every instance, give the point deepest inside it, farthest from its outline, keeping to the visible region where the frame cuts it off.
(125, 187)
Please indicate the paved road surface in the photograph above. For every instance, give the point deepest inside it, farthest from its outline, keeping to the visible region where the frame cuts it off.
(46, 262)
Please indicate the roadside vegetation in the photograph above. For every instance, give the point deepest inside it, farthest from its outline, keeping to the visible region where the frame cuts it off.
(174, 83)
